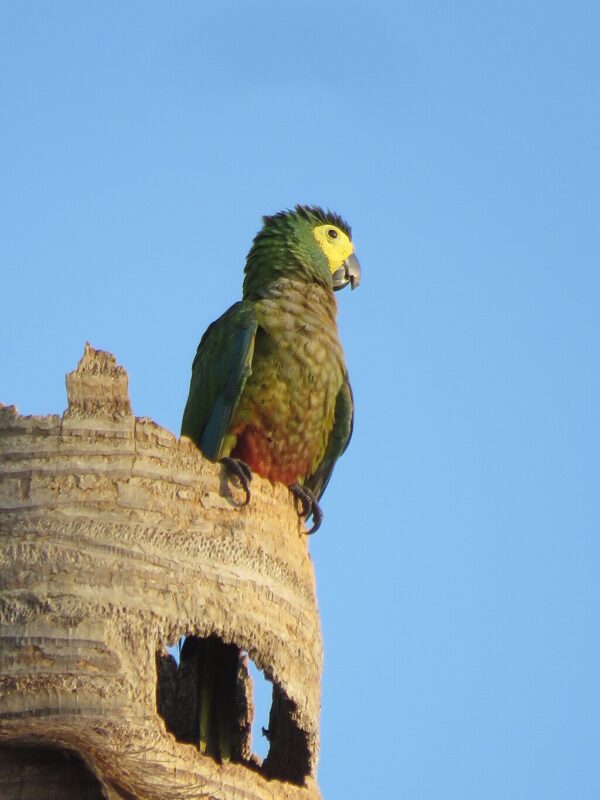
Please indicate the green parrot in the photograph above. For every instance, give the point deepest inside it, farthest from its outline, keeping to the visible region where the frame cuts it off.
(269, 393)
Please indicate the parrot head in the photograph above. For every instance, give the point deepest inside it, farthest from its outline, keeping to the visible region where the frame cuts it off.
(306, 243)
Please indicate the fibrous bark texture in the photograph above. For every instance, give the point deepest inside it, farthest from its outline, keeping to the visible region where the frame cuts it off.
(116, 540)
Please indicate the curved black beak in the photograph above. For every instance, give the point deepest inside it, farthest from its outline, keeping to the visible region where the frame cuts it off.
(348, 273)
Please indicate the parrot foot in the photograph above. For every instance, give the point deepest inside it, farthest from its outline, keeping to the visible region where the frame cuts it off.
(240, 470)
(308, 506)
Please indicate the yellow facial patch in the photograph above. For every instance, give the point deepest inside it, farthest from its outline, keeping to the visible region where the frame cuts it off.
(335, 244)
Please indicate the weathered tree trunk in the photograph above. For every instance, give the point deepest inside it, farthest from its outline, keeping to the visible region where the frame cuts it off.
(116, 540)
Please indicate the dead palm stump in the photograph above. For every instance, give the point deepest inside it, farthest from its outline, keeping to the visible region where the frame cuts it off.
(116, 540)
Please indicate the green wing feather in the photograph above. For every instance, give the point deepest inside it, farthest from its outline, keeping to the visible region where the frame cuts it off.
(221, 367)
(343, 423)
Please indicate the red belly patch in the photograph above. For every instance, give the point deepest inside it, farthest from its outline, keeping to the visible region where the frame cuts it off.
(272, 460)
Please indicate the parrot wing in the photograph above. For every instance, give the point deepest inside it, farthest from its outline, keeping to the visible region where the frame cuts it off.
(221, 367)
(339, 438)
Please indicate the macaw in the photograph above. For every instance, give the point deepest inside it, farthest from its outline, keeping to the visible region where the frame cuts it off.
(269, 391)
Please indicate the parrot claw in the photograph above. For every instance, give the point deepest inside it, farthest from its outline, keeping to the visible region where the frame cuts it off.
(308, 506)
(240, 470)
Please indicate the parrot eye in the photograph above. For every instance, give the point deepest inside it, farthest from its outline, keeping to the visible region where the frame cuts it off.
(332, 233)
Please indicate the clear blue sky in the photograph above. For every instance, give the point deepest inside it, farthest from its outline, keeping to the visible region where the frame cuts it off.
(458, 566)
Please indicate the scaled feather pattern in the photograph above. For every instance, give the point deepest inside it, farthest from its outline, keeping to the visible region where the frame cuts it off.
(269, 381)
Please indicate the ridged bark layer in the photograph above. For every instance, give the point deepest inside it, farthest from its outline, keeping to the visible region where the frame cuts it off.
(116, 540)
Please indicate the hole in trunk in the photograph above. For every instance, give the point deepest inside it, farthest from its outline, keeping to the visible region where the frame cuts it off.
(31, 773)
(206, 696)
